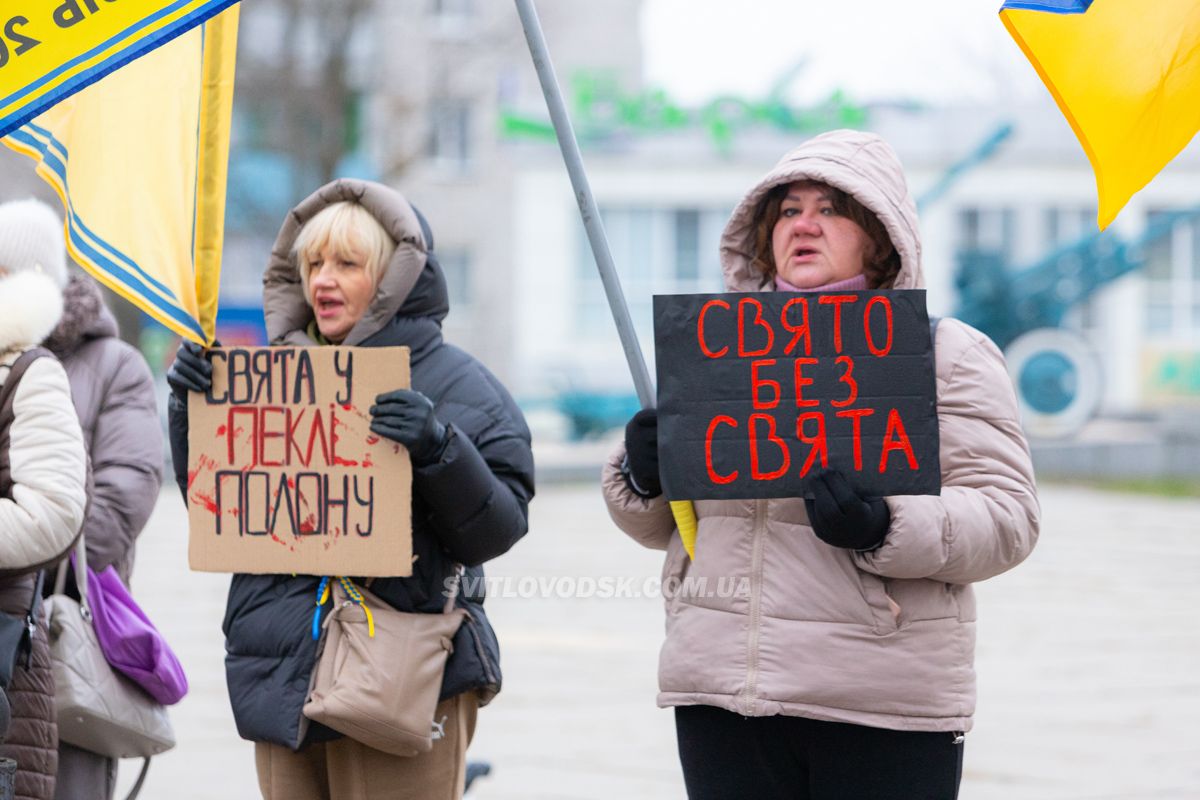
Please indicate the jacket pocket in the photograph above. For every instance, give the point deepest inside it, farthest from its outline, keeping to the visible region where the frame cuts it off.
(923, 600)
(885, 611)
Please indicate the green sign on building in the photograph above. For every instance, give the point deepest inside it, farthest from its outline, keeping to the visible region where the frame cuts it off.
(601, 110)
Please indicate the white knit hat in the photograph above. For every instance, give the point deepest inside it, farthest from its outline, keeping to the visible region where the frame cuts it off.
(31, 237)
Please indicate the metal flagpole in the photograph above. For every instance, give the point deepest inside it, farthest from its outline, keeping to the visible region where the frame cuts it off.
(587, 203)
(683, 511)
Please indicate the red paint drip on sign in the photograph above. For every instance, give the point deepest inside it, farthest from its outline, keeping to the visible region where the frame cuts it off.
(205, 500)
(203, 463)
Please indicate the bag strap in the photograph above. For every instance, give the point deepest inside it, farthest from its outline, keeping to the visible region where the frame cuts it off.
(16, 371)
(60, 579)
(25, 648)
(325, 587)
(8, 395)
(141, 778)
(7, 415)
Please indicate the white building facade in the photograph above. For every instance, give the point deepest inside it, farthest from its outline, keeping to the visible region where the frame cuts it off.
(463, 128)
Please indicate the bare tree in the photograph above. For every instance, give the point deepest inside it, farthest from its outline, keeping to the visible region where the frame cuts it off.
(296, 83)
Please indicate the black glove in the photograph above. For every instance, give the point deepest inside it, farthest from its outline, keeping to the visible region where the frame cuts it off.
(407, 417)
(191, 371)
(842, 518)
(641, 454)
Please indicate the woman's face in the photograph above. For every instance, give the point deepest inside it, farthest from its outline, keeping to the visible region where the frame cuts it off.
(813, 245)
(339, 290)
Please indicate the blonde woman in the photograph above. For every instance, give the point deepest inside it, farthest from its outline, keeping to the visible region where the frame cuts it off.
(354, 265)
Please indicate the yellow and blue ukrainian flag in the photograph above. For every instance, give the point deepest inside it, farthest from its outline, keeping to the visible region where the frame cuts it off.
(139, 161)
(1125, 73)
(50, 50)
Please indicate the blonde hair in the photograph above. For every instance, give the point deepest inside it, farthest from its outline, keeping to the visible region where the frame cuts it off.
(352, 232)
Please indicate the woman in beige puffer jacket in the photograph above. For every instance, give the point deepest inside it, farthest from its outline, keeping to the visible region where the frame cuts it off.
(846, 669)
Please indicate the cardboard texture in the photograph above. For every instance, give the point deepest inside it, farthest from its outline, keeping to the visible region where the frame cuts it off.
(757, 392)
(284, 475)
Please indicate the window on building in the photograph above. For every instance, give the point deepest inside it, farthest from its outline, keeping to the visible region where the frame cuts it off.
(687, 244)
(450, 133)
(655, 251)
(453, 20)
(456, 266)
(988, 230)
(1172, 274)
(452, 8)
(1064, 226)
(508, 86)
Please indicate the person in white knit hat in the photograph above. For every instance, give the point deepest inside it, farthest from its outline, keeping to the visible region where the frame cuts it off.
(31, 238)
(114, 399)
(42, 482)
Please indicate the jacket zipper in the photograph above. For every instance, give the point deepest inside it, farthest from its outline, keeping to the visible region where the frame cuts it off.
(480, 651)
(756, 569)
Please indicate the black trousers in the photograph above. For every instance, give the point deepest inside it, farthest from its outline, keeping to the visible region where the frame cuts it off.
(726, 756)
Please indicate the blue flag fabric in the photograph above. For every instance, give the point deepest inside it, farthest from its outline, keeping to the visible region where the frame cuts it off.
(1053, 6)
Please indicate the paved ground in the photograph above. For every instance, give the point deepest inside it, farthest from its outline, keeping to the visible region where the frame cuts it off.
(1089, 663)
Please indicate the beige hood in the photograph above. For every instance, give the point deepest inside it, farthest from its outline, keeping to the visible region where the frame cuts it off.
(860, 164)
(285, 310)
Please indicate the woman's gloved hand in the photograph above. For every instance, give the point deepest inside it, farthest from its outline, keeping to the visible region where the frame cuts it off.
(842, 518)
(641, 454)
(407, 417)
(191, 371)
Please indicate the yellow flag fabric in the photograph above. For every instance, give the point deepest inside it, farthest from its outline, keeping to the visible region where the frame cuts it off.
(50, 49)
(1125, 73)
(685, 520)
(139, 161)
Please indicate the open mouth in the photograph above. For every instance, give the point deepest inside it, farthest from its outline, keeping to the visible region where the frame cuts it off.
(804, 252)
(327, 306)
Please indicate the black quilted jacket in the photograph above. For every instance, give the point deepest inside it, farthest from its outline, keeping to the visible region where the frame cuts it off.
(469, 507)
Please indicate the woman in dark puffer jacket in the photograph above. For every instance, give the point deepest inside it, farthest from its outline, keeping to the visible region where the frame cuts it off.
(354, 265)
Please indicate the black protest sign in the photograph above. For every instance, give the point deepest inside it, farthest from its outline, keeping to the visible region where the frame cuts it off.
(757, 392)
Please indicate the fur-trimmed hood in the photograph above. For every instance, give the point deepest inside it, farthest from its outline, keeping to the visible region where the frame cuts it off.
(30, 306)
(84, 317)
(861, 164)
(412, 284)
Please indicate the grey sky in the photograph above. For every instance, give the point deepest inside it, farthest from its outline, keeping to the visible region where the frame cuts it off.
(934, 50)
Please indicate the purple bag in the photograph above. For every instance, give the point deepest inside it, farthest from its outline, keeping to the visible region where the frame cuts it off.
(130, 642)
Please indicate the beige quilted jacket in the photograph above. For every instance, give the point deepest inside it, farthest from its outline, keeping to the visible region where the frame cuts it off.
(884, 638)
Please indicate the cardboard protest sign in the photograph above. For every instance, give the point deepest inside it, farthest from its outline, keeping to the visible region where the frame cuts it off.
(756, 392)
(284, 474)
